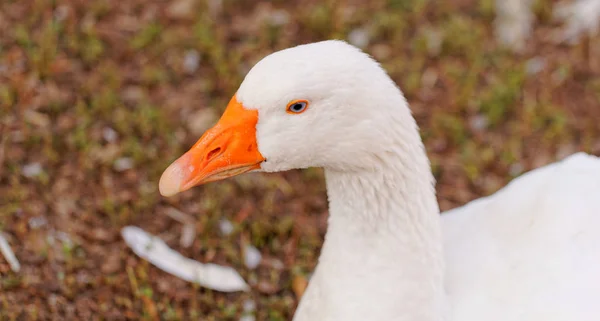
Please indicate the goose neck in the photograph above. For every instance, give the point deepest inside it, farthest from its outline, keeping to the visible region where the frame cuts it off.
(382, 255)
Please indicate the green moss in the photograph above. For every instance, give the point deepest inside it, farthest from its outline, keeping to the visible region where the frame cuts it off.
(452, 126)
(462, 36)
(146, 36)
(500, 98)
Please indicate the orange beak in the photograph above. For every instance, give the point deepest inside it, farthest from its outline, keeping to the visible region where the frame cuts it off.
(227, 149)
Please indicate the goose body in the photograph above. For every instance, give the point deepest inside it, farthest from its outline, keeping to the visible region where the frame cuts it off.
(529, 252)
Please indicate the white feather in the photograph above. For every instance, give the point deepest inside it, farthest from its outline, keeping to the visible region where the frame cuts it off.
(513, 22)
(9, 255)
(157, 252)
(581, 17)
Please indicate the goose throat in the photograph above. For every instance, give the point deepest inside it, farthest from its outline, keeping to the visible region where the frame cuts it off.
(383, 242)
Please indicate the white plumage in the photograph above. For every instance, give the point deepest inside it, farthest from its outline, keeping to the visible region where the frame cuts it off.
(531, 251)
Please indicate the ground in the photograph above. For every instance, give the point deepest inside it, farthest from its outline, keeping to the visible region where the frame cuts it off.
(98, 97)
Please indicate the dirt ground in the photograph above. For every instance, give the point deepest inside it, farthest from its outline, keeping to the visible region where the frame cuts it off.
(98, 97)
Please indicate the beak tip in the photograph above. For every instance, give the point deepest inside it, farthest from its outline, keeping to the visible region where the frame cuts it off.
(170, 181)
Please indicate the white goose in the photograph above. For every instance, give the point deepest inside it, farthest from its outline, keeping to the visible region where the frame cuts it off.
(530, 252)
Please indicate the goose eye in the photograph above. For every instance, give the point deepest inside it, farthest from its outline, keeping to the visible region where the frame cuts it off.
(297, 106)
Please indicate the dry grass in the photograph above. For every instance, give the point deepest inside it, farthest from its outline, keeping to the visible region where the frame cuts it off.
(96, 98)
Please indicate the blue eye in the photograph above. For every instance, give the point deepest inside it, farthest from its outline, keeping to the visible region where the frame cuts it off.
(297, 106)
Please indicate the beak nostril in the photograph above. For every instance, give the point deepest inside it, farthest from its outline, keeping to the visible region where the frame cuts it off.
(213, 153)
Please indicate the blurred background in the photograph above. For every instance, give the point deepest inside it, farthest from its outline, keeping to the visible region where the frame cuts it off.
(98, 97)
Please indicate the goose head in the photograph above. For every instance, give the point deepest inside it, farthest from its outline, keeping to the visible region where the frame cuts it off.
(325, 104)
